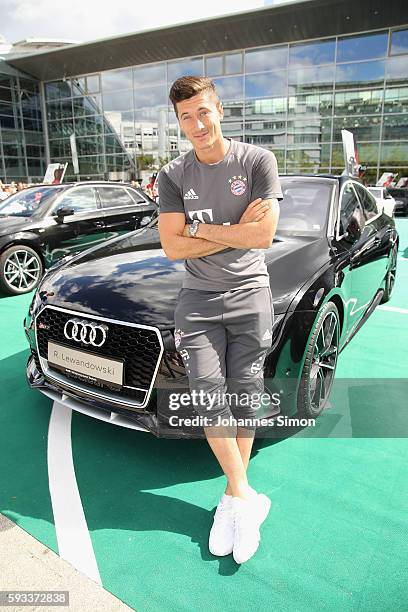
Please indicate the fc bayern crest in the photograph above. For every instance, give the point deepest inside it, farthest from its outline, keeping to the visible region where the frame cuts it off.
(238, 185)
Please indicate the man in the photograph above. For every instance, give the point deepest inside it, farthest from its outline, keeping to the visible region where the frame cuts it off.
(218, 210)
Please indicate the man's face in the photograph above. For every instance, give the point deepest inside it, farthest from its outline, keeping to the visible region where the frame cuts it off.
(200, 120)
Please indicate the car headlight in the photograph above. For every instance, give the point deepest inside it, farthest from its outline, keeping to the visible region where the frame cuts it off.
(35, 303)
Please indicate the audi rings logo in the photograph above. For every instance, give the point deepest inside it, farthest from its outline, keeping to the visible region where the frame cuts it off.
(85, 331)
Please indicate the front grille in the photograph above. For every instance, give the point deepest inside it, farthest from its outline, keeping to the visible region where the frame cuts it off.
(137, 346)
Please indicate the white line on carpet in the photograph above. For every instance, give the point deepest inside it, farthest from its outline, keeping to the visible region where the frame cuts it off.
(74, 541)
(394, 309)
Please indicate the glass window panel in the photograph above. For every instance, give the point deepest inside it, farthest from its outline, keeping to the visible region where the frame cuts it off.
(395, 127)
(91, 165)
(36, 167)
(309, 129)
(214, 65)
(86, 126)
(117, 163)
(7, 95)
(261, 140)
(233, 129)
(59, 148)
(146, 76)
(92, 83)
(58, 89)
(57, 129)
(233, 63)
(184, 68)
(112, 145)
(92, 145)
(396, 100)
(80, 199)
(117, 100)
(265, 132)
(261, 60)
(311, 78)
(78, 85)
(114, 196)
(232, 110)
(6, 108)
(113, 80)
(12, 136)
(312, 54)
(6, 81)
(354, 102)
(14, 166)
(360, 72)
(367, 154)
(34, 151)
(266, 84)
(367, 201)
(13, 149)
(146, 114)
(309, 157)
(32, 124)
(266, 108)
(363, 127)
(59, 109)
(314, 103)
(87, 105)
(399, 42)
(349, 206)
(151, 96)
(229, 87)
(397, 69)
(7, 122)
(364, 47)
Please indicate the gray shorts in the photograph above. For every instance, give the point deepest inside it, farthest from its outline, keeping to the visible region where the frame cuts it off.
(223, 339)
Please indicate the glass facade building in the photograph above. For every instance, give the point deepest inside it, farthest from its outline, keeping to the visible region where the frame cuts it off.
(291, 98)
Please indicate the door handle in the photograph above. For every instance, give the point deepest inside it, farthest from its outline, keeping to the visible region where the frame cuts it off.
(100, 223)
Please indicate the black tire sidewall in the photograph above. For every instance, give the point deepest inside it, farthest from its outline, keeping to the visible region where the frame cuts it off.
(303, 407)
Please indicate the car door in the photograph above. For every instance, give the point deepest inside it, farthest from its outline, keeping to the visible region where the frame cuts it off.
(79, 230)
(122, 211)
(357, 216)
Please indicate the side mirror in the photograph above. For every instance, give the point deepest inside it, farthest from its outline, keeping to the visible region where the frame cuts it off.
(63, 212)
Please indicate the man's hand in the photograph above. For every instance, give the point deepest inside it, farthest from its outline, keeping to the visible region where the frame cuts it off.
(255, 211)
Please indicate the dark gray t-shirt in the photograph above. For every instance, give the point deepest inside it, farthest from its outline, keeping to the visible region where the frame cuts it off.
(219, 193)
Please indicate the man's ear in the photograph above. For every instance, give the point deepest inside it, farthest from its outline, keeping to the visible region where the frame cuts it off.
(220, 109)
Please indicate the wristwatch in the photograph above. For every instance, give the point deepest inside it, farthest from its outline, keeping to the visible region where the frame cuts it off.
(193, 228)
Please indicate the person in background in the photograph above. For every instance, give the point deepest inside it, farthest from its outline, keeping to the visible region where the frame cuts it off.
(151, 188)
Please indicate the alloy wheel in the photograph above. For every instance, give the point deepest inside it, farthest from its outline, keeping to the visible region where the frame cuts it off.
(325, 352)
(22, 270)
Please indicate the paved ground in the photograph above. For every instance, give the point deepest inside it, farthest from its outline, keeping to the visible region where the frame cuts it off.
(133, 512)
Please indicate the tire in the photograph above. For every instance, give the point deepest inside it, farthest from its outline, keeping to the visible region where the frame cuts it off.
(21, 269)
(320, 363)
(391, 273)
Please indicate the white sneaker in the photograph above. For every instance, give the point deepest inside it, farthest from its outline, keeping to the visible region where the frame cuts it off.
(221, 539)
(248, 516)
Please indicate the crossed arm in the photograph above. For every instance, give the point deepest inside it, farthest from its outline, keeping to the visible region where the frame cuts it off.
(255, 230)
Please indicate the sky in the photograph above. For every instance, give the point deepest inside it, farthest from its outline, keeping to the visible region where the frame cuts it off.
(85, 20)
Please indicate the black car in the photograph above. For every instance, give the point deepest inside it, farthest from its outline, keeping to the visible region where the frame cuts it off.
(400, 195)
(333, 260)
(41, 224)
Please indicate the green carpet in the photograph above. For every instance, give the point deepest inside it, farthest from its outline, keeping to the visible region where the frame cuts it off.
(336, 538)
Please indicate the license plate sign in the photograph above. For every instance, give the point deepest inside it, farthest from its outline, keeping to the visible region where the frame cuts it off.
(86, 367)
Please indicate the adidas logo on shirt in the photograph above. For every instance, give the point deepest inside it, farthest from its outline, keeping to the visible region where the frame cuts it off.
(267, 335)
(191, 195)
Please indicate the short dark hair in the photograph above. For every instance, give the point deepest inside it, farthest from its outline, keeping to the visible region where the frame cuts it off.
(186, 87)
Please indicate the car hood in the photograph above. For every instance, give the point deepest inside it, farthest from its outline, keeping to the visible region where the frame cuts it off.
(131, 278)
(13, 224)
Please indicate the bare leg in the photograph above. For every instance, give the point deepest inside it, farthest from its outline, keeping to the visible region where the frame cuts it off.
(224, 444)
(245, 440)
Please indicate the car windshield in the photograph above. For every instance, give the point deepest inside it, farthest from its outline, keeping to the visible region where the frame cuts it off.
(28, 202)
(305, 206)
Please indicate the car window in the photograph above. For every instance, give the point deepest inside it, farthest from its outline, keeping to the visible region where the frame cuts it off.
(138, 197)
(377, 193)
(350, 206)
(114, 196)
(305, 206)
(368, 202)
(29, 201)
(80, 199)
